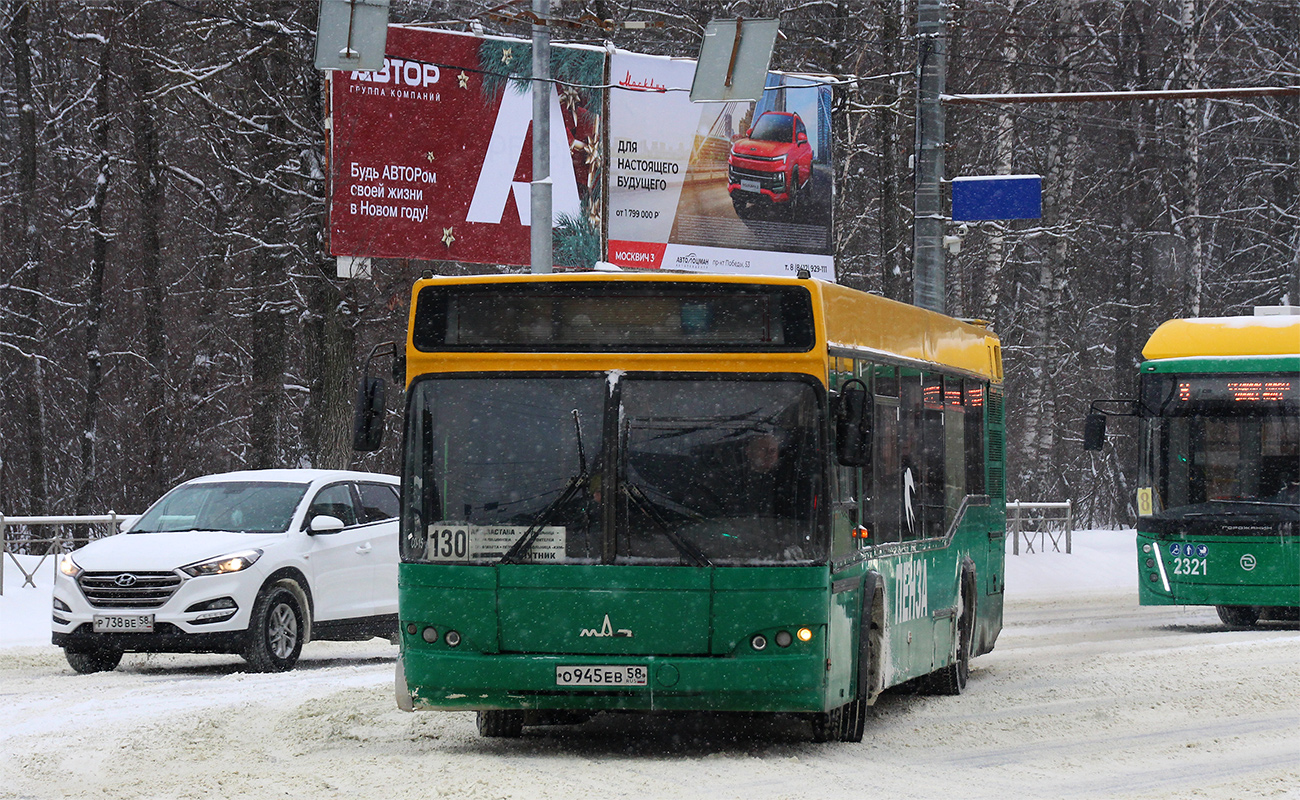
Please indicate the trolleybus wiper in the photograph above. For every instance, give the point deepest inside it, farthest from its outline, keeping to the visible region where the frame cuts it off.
(1246, 502)
(575, 484)
(684, 546)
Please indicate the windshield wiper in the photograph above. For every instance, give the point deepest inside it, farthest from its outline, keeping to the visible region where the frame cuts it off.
(684, 546)
(575, 484)
(1246, 502)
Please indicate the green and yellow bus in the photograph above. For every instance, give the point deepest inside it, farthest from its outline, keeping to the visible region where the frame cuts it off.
(1219, 472)
(666, 492)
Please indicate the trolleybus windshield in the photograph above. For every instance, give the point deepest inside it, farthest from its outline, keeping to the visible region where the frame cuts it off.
(614, 468)
(1222, 439)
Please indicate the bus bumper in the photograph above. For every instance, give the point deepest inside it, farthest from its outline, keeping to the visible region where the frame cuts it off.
(483, 682)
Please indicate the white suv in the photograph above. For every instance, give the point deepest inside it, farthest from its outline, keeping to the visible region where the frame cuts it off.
(255, 563)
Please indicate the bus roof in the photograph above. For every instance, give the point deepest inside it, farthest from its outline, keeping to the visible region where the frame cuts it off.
(866, 322)
(1225, 336)
(851, 320)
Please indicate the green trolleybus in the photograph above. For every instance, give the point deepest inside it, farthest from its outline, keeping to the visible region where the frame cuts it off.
(1219, 471)
(685, 492)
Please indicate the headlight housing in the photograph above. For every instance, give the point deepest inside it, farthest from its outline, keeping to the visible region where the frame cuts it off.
(69, 567)
(221, 565)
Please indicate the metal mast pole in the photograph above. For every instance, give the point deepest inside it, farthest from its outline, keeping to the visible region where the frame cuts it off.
(540, 191)
(928, 279)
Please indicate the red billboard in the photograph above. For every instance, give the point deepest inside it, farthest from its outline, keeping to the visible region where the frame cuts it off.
(431, 156)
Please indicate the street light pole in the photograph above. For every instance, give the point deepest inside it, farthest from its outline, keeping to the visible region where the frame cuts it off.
(540, 190)
(928, 278)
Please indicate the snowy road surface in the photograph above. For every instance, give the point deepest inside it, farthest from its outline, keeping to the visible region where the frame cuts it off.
(1086, 696)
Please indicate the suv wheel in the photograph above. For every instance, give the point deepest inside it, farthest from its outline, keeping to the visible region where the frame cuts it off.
(275, 631)
(87, 661)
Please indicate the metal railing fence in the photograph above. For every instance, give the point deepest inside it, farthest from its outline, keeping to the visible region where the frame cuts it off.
(54, 545)
(1040, 524)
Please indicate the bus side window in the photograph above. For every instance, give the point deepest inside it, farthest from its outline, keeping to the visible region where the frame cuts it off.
(863, 371)
(954, 445)
(886, 478)
(974, 399)
(911, 454)
(845, 487)
(932, 467)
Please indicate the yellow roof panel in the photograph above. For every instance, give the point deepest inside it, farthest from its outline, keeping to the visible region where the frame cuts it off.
(1225, 336)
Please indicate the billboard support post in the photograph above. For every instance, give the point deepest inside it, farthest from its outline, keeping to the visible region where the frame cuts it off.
(928, 278)
(540, 190)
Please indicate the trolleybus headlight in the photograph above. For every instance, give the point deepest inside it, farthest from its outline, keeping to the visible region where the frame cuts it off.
(783, 639)
(452, 638)
(411, 628)
(1146, 548)
(804, 634)
(759, 642)
(430, 635)
(1151, 563)
(1154, 577)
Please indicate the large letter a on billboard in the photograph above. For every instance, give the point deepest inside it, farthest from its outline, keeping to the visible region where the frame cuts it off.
(506, 149)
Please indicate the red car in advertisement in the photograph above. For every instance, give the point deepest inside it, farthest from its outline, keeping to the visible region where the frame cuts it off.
(771, 164)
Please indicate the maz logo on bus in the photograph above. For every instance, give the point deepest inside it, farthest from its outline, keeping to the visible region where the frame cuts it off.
(606, 630)
(911, 591)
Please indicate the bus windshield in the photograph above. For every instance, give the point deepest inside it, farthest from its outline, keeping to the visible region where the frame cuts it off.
(1221, 439)
(614, 469)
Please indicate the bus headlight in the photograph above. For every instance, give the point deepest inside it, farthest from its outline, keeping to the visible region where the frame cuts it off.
(804, 634)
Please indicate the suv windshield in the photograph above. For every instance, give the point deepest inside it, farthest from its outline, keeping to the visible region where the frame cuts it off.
(773, 128)
(622, 469)
(238, 506)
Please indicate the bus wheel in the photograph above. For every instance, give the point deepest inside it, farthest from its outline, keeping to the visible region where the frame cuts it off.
(826, 725)
(853, 721)
(505, 724)
(1238, 616)
(951, 680)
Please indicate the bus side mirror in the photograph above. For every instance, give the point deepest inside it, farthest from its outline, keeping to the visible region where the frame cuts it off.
(1094, 431)
(853, 426)
(368, 420)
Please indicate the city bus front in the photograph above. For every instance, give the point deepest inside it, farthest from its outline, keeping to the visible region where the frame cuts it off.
(1219, 488)
(597, 521)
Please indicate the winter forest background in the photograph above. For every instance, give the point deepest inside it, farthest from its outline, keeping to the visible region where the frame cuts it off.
(168, 307)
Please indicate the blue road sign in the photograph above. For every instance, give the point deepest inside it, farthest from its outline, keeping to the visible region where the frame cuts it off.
(997, 197)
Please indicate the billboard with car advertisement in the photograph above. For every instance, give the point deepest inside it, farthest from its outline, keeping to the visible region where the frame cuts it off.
(431, 156)
(739, 188)
(431, 160)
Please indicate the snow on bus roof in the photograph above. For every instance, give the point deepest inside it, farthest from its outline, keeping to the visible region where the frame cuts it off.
(1225, 336)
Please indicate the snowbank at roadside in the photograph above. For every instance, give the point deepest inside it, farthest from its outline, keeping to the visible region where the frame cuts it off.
(24, 610)
(1099, 561)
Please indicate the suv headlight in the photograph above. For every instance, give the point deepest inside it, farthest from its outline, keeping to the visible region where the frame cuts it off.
(221, 565)
(69, 567)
